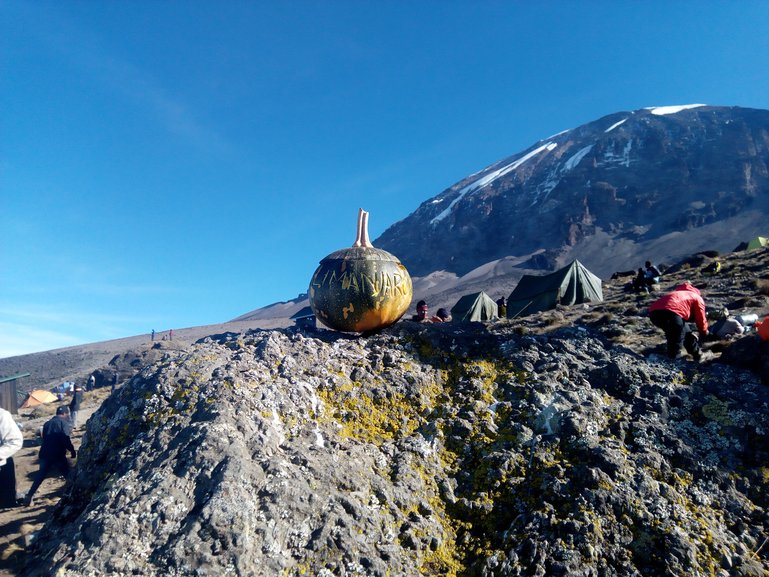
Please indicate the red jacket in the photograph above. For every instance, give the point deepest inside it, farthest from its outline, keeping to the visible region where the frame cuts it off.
(686, 302)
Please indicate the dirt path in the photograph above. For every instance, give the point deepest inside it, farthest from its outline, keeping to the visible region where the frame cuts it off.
(19, 524)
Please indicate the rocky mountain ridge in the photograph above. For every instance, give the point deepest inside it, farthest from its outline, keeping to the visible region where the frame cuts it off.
(609, 192)
(659, 183)
(559, 444)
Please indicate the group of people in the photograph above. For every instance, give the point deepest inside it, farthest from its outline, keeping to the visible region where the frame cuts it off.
(681, 313)
(441, 316)
(56, 444)
(169, 335)
(672, 313)
(645, 278)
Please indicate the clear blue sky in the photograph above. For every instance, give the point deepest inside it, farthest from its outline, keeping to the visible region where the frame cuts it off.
(174, 164)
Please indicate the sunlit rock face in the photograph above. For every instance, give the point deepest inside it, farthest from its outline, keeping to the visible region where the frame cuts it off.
(442, 449)
(614, 191)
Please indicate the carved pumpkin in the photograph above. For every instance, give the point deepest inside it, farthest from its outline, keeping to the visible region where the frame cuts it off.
(361, 288)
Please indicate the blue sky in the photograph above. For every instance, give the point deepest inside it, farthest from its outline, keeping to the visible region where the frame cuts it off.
(175, 164)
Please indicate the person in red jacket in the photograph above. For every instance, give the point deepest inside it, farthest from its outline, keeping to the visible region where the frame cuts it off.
(673, 312)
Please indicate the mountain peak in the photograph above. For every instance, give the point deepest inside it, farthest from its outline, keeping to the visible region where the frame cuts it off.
(633, 180)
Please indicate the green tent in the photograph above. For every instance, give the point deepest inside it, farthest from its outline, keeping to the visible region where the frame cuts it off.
(475, 307)
(571, 285)
(758, 242)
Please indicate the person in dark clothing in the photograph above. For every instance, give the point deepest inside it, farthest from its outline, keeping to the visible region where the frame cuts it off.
(639, 282)
(502, 308)
(74, 405)
(652, 274)
(53, 453)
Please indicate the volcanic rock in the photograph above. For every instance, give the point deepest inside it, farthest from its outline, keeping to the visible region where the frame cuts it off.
(456, 449)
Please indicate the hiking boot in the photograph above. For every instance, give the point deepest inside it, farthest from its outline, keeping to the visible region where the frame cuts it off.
(697, 356)
(705, 356)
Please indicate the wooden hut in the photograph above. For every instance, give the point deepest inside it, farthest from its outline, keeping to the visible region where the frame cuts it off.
(9, 397)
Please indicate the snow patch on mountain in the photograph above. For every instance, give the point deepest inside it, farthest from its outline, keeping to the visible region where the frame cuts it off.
(554, 177)
(623, 159)
(544, 188)
(663, 110)
(491, 177)
(575, 160)
(615, 125)
(557, 134)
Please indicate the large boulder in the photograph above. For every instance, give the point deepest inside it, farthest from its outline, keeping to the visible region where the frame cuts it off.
(423, 450)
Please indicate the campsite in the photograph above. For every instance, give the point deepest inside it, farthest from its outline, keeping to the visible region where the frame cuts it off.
(619, 318)
(541, 350)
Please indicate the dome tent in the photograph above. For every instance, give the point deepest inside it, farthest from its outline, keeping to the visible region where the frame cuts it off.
(573, 284)
(475, 307)
(757, 242)
(38, 397)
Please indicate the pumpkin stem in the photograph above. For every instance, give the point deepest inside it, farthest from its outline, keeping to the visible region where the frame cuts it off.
(362, 239)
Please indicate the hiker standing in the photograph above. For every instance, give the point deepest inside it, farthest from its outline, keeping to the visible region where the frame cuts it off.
(74, 405)
(53, 453)
(672, 312)
(11, 440)
(502, 308)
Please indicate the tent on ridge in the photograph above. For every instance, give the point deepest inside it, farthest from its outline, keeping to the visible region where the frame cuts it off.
(758, 242)
(38, 397)
(475, 307)
(304, 318)
(573, 284)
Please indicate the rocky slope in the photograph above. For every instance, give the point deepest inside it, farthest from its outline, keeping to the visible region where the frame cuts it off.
(620, 189)
(123, 356)
(559, 444)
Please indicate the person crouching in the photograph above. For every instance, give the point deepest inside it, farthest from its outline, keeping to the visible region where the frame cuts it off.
(672, 313)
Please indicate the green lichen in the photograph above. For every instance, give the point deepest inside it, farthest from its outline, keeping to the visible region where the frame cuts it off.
(372, 419)
(717, 410)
